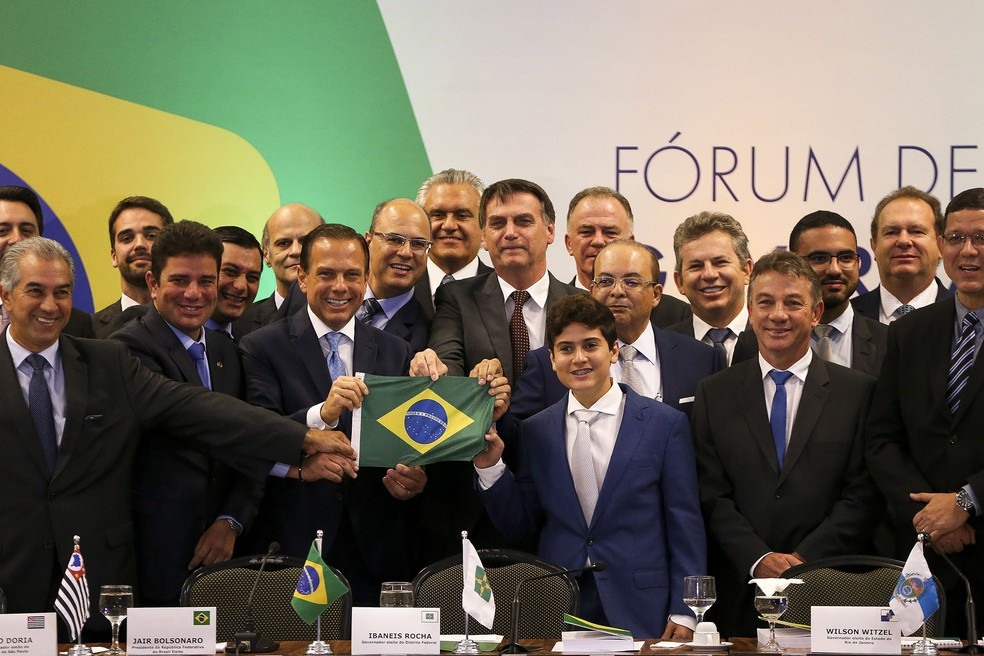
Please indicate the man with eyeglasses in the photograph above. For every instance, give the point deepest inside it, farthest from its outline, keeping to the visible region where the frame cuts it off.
(399, 240)
(828, 242)
(925, 447)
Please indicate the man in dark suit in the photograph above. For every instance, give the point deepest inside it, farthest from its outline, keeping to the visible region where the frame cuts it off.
(21, 217)
(450, 200)
(281, 240)
(73, 416)
(189, 507)
(828, 242)
(597, 216)
(712, 269)
(133, 226)
(399, 238)
(924, 438)
(607, 476)
(666, 366)
(904, 232)
(239, 280)
(780, 447)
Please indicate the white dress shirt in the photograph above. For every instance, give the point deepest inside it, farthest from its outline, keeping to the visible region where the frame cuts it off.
(738, 324)
(646, 364)
(889, 304)
(841, 340)
(54, 377)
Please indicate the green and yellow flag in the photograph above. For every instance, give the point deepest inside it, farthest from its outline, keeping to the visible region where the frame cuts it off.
(417, 421)
(317, 587)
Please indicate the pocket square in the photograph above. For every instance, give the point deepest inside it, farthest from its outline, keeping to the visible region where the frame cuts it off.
(93, 417)
(686, 399)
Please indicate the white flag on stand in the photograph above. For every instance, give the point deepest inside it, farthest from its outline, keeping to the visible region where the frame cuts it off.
(476, 597)
(915, 598)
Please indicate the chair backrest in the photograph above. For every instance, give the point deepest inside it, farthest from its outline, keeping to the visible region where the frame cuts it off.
(543, 603)
(227, 585)
(849, 581)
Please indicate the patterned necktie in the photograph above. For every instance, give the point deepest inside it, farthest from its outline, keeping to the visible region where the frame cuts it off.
(582, 464)
(825, 346)
(42, 411)
(902, 310)
(197, 353)
(519, 334)
(718, 337)
(446, 279)
(336, 368)
(777, 420)
(630, 375)
(370, 308)
(961, 362)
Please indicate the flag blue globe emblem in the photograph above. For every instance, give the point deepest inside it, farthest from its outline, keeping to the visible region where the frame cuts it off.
(309, 580)
(426, 421)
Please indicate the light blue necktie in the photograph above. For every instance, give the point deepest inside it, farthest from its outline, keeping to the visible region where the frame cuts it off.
(197, 353)
(336, 368)
(777, 420)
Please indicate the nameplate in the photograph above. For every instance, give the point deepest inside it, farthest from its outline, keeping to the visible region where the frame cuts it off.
(396, 630)
(165, 631)
(854, 630)
(28, 634)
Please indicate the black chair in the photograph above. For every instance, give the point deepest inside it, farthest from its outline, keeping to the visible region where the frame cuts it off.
(543, 602)
(227, 585)
(850, 581)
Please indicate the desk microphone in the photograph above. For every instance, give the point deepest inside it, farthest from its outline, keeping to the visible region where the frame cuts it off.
(971, 647)
(514, 647)
(249, 640)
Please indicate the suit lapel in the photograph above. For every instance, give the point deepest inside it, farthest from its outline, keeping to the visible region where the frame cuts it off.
(221, 372)
(164, 336)
(305, 343)
(76, 385)
(421, 292)
(812, 401)
(488, 298)
(751, 400)
(364, 357)
(16, 414)
(669, 364)
(629, 433)
(555, 456)
(862, 348)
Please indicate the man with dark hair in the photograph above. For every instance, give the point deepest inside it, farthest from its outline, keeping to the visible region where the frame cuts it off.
(597, 216)
(239, 279)
(581, 483)
(780, 447)
(924, 438)
(21, 217)
(904, 232)
(828, 242)
(133, 226)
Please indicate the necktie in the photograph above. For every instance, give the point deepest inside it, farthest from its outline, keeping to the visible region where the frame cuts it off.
(336, 368)
(961, 362)
(519, 334)
(42, 412)
(197, 353)
(630, 375)
(718, 337)
(582, 464)
(825, 346)
(777, 420)
(370, 308)
(902, 310)
(446, 279)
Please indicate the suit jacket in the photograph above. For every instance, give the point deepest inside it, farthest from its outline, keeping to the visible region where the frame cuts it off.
(470, 322)
(411, 324)
(646, 525)
(180, 488)
(820, 504)
(746, 347)
(286, 372)
(422, 290)
(868, 342)
(104, 321)
(79, 324)
(869, 303)
(259, 314)
(111, 400)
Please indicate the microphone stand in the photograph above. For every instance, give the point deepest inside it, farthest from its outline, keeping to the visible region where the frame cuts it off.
(249, 640)
(971, 647)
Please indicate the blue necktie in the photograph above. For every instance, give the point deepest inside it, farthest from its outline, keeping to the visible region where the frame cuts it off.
(961, 362)
(336, 368)
(197, 353)
(42, 412)
(777, 420)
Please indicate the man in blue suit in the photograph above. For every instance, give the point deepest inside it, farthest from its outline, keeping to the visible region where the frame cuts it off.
(607, 476)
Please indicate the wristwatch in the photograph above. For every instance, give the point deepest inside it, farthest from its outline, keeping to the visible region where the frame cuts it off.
(237, 528)
(964, 501)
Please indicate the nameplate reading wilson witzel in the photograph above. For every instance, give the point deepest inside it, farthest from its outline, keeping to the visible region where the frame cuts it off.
(167, 631)
(854, 630)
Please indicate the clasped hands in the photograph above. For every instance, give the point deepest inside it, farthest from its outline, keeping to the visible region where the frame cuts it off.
(944, 521)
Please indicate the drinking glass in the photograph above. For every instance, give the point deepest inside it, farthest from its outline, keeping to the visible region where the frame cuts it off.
(114, 600)
(699, 593)
(771, 607)
(396, 594)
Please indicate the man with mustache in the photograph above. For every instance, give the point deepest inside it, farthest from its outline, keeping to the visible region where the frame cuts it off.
(828, 242)
(133, 227)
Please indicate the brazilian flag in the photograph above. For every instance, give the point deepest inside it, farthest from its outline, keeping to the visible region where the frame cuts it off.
(417, 421)
(317, 587)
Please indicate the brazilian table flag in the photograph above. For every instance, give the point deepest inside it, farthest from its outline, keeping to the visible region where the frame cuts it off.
(417, 421)
(317, 587)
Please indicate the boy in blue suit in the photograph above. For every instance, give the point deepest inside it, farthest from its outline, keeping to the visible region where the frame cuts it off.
(607, 476)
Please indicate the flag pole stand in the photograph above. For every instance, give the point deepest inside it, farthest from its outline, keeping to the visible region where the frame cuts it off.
(924, 647)
(79, 649)
(467, 645)
(319, 646)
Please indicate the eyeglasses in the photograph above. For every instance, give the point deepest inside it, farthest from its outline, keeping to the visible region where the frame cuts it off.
(629, 284)
(396, 241)
(844, 259)
(957, 240)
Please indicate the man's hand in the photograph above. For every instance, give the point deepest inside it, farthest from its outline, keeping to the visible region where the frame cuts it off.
(214, 546)
(486, 370)
(940, 515)
(426, 363)
(325, 466)
(492, 453)
(775, 564)
(955, 540)
(404, 482)
(489, 371)
(327, 441)
(677, 633)
(346, 393)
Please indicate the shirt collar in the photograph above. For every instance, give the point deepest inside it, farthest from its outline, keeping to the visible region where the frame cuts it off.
(799, 368)
(538, 290)
(392, 304)
(843, 323)
(435, 273)
(321, 329)
(737, 325)
(18, 353)
(608, 404)
(646, 344)
(126, 302)
(278, 300)
(890, 303)
(226, 328)
(185, 340)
